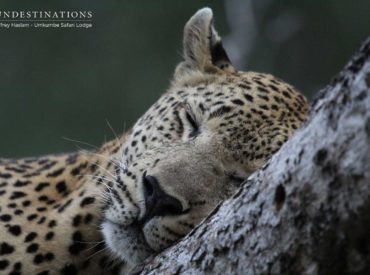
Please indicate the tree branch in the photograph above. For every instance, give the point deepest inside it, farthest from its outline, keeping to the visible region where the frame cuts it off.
(307, 210)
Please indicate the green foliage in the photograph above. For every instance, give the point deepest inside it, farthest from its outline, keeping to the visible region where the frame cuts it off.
(59, 83)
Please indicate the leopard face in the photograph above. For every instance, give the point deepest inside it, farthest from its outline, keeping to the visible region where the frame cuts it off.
(194, 146)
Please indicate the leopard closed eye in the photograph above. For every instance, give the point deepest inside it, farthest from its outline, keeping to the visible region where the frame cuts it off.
(108, 210)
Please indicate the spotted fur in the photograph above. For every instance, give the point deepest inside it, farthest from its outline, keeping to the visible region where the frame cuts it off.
(105, 211)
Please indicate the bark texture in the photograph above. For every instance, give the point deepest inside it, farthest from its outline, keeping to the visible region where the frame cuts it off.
(307, 211)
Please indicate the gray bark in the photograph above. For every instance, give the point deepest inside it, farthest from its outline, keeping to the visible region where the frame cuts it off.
(307, 211)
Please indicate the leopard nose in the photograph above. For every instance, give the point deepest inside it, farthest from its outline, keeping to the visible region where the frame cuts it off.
(157, 202)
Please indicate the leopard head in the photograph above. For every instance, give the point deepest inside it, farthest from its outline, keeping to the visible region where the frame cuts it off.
(195, 145)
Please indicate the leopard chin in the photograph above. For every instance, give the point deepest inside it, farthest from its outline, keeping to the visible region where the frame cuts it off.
(127, 243)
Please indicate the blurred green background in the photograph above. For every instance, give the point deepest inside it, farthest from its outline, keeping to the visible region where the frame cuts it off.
(58, 83)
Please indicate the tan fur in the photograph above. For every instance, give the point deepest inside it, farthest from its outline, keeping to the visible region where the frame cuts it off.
(210, 130)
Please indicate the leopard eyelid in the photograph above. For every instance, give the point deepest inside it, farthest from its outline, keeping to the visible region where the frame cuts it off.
(191, 120)
(190, 116)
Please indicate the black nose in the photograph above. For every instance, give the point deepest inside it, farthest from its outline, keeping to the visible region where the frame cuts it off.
(157, 202)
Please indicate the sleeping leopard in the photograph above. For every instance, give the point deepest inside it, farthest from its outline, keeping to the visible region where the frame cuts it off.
(105, 211)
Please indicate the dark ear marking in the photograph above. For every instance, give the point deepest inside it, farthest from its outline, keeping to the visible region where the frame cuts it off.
(219, 56)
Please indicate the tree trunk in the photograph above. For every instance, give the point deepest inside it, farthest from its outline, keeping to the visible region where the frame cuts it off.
(307, 211)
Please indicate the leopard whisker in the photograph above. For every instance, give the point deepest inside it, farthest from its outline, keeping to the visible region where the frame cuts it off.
(98, 252)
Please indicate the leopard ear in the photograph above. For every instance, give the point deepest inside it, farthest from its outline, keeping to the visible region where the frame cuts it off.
(203, 48)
